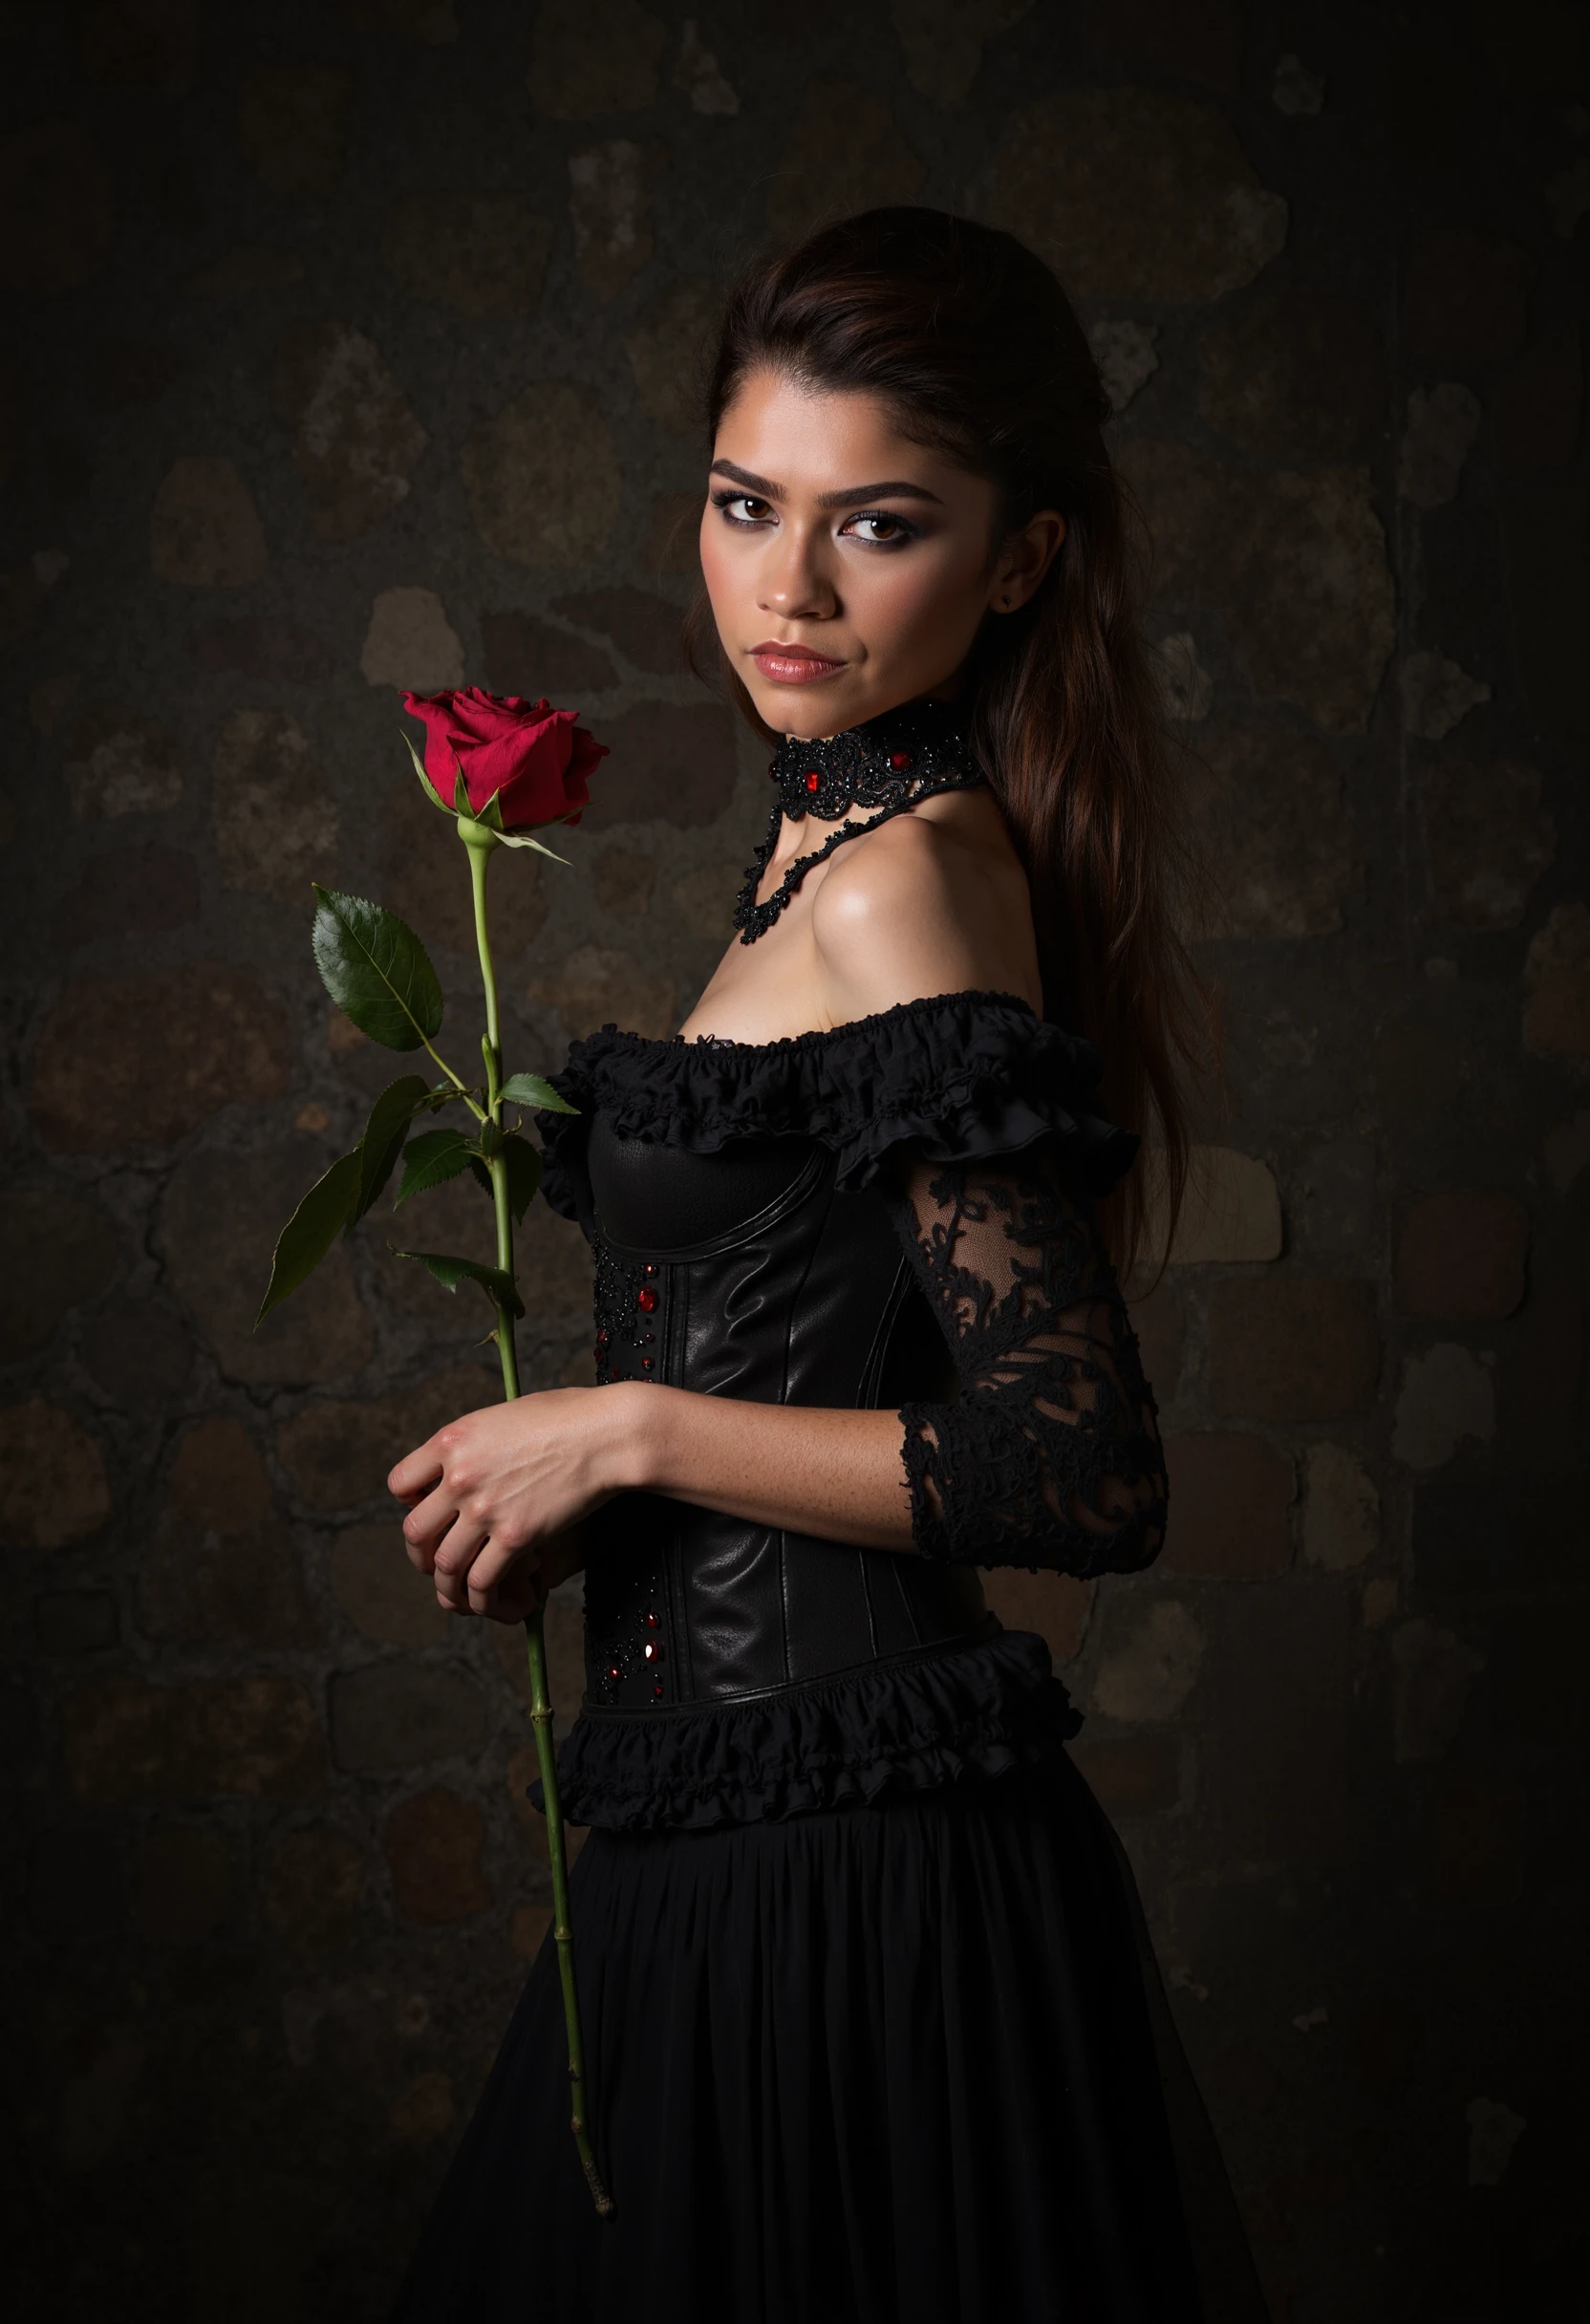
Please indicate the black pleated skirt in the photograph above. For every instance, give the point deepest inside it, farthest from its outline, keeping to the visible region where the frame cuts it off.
(870, 2064)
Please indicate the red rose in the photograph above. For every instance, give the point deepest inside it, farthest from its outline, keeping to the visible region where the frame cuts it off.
(530, 757)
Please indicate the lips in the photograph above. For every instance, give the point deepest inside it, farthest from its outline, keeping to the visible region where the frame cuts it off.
(792, 665)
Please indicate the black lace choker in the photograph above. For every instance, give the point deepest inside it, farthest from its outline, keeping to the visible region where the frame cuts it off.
(889, 765)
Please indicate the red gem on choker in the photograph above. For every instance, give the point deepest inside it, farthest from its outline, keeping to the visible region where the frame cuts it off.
(899, 760)
(811, 778)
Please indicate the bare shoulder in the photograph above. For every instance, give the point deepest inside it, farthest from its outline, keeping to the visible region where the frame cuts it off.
(905, 856)
(924, 905)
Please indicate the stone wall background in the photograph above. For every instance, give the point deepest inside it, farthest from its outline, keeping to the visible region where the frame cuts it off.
(353, 349)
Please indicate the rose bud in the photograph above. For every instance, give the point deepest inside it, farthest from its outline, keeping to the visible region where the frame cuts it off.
(534, 761)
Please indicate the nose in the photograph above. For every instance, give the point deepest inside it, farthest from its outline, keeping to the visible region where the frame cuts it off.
(794, 581)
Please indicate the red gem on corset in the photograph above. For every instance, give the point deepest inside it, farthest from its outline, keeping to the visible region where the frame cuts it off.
(657, 1688)
(614, 1671)
(899, 760)
(811, 778)
(646, 1299)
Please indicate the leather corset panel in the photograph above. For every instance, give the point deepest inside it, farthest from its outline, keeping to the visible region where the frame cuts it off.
(747, 1273)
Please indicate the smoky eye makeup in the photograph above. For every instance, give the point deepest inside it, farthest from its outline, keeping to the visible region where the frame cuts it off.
(901, 530)
(898, 530)
(729, 501)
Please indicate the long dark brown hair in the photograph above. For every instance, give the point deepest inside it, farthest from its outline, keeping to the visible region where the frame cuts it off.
(971, 343)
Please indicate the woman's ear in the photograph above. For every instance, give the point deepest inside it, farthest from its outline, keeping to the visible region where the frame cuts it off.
(1024, 560)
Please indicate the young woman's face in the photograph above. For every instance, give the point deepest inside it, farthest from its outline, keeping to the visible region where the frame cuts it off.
(849, 569)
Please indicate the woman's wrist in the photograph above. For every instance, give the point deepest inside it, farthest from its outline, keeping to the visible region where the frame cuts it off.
(634, 1440)
(836, 1474)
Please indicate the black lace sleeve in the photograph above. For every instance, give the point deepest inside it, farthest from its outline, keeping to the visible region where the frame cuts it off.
(1051, 1456)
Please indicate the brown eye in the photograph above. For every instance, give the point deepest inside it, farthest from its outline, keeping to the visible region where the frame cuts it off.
(743, 507)
(882, 529)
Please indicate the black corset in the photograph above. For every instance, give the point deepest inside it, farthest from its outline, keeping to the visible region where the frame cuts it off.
(890, 1214)
(748, 1273)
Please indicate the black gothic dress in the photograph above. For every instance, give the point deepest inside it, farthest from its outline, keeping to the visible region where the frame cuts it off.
(873, 2031)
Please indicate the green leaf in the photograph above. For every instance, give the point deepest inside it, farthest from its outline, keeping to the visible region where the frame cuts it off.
(432, 1159)
(377, 970)
(312, 1230)
(524, 1173)
(383, 1137)
(431, 792)
(461, 793)
(449, 1273)
(531, 1089)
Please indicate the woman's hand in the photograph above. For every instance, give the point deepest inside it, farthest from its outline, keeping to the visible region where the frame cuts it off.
(495, 1498)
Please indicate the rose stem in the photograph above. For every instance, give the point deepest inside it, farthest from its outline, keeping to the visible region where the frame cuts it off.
(480, 843)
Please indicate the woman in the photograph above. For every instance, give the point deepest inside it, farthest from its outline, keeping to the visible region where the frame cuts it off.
(868, 2029)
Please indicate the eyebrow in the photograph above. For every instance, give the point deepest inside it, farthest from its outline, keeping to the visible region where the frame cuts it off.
(848, 498)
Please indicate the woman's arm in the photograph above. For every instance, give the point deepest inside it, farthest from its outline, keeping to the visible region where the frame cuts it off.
(1054, 1449)
(496, 1497)
(1051, 1455)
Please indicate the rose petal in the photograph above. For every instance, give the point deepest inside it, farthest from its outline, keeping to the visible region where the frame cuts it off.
(534, 760)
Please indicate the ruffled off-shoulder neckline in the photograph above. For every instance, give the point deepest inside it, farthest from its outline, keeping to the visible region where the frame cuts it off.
(961, 1076)
(929, 1004)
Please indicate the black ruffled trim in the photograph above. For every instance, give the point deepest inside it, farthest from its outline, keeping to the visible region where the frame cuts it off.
(971, 1712)
(962, 1076)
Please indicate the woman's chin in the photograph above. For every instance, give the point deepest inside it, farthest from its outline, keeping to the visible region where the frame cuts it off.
(818, 708)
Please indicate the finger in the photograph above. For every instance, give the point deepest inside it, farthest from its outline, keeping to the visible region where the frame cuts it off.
(499, 1558)
(416, 1472)
(518, 1594)
(452, 1593)
(453, 1561)
(499, 1568)
(425, 1528)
